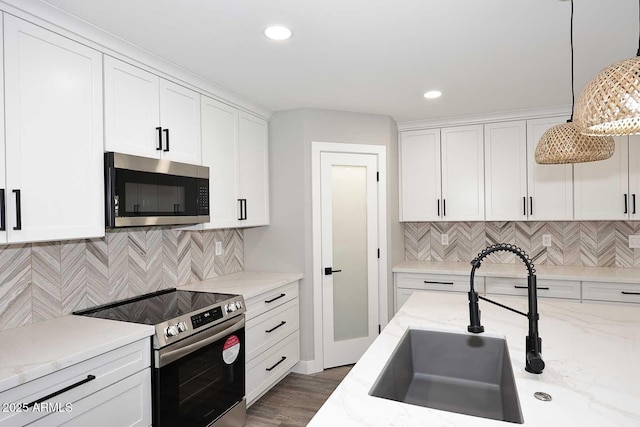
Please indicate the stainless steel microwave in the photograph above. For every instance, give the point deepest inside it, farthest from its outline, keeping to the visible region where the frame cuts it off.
(143, 191)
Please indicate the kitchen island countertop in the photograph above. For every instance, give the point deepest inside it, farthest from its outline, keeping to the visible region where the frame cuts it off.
(591, 353)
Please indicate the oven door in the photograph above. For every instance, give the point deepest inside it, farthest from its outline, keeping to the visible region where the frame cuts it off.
(198, 379)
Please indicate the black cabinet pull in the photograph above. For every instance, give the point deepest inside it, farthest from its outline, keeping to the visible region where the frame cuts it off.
(276, 327)
(429, 282)
(18, 211)
(159, 147)
(530, 205)
(56, 393)
(3, 221)
(625, 203)
(633, 203)
(438, 207)
(540, 288)
(276, 298)
(630, 293)
(279, 362)
(243, 209)
(166, 140)
(524, 205)
(328, 271)
(444, 207)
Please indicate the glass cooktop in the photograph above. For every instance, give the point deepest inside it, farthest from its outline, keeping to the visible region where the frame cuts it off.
(157, 307)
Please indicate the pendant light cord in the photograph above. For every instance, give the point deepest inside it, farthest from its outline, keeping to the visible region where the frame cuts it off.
(637, 53)
(573, 96)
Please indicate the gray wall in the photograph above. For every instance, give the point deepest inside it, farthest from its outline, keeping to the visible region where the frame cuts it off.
(286, 245)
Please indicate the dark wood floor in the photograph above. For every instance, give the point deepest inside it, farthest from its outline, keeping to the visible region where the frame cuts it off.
(295, 400)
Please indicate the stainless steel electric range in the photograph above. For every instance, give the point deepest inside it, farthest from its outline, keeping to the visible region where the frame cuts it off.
(198, 355)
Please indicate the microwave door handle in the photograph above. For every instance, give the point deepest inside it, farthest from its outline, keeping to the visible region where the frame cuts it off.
(195, 342)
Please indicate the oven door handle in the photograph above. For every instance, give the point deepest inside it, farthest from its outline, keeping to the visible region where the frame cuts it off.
(195, 342)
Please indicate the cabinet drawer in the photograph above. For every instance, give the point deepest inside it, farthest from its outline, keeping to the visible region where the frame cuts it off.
(125, 403)
(270, 327)
(617, 292)
(107, 369)
(270, 300)
(438, 282)
(568, 289)
(267, 369)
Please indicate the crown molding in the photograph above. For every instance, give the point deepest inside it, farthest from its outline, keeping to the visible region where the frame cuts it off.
(534, 113)
(54, 19)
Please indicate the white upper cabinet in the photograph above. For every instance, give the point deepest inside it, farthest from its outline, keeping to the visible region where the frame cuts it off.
(54, 133)
(634, 176)
(505, 163)
(550, 187)
(602, 188)
(420, 187)
(148, 116)
(235, 148)
(132, 109)
(180, 122)
(253, 171)
(220, 154)
(3, 174)
(462, 151)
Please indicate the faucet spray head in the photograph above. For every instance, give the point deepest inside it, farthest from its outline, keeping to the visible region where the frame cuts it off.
(474, 314)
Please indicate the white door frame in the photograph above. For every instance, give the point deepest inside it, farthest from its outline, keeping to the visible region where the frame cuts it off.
(381, 152)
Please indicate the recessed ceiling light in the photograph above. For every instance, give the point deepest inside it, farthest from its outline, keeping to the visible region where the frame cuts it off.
(432, 94)
(278, 32)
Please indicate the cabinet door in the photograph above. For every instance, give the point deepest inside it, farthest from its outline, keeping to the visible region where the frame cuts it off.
(220, 154)
(253, 157)
(132, 109)
(54, 152)
(462, 173)
(505, 163)
(550, 187)
(180, 114)
(3, 182)
(420, 188)
(634, 176)
(601, 189)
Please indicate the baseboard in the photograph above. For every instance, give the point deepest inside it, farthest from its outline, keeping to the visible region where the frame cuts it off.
(307, 367)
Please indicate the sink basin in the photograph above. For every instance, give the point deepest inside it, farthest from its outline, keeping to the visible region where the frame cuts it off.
(455, 372)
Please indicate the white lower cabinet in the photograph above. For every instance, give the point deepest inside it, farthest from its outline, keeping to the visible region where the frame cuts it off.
(107, 390)
(273, 340)
(547, 288)
(614, 292)
(408, 283)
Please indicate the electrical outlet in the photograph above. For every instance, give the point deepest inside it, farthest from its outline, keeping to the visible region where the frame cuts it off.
(634, 241)
(546, 240)
(218, 248)
(444, 239)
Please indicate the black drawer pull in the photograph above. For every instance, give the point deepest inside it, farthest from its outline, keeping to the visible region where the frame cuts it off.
(630, 293)
(540, 288)
(279, 362)
(429, 282)
(276, 327)
(273, 299)
(56, 393)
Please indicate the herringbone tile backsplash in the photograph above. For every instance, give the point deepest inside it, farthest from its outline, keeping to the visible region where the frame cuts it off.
(593, 243)
(41, 281)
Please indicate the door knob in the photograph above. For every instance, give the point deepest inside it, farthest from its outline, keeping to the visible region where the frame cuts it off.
(328, 271)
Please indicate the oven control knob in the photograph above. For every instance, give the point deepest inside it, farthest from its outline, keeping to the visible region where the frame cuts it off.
(171, 331)
(182, 327)
(230, 308)
(238, 305)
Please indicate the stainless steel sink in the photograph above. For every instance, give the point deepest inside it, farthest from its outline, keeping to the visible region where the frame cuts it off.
(467, 374)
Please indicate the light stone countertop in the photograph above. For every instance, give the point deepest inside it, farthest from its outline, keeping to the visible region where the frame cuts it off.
(33, 351)
(516, 270)
(591, 353)
(246, 283)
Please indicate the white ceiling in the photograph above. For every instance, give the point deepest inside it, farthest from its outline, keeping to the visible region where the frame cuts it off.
(380, 56)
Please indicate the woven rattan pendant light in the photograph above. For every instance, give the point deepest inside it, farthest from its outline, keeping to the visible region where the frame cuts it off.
(565, 144)
(610, 103)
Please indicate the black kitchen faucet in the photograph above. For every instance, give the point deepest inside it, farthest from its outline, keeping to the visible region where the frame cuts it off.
(533, 359)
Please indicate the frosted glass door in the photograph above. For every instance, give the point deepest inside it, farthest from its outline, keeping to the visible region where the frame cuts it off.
(349, 252)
